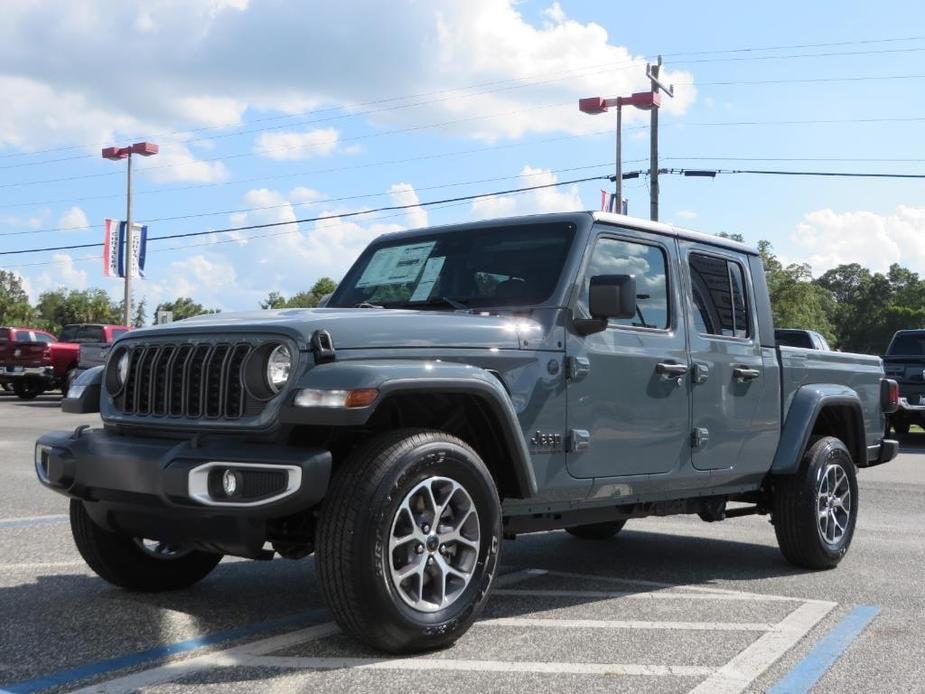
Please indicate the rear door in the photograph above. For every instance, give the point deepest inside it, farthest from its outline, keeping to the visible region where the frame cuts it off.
(625, 417)
(728, 382)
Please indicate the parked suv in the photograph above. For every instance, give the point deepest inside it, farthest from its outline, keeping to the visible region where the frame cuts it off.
(465, 384)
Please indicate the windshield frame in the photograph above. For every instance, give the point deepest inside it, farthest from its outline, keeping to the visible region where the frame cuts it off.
(579, 225)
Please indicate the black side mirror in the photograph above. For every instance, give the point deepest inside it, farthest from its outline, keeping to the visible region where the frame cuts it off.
(609, 296)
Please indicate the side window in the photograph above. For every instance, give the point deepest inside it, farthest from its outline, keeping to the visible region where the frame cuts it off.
(648, 264)
(720, 302)
(24, 336)
(42, 337)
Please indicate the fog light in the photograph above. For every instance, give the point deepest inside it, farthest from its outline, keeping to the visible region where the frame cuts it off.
(230, 482)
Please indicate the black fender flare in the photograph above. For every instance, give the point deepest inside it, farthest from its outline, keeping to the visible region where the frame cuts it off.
(807, 404)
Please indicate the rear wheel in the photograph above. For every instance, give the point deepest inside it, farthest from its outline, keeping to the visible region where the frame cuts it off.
(816, 509)
(596, 531)
(408, 541)
(136, 563)
(27, 388)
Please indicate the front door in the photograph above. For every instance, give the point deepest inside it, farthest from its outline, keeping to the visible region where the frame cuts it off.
(628, 406)
(727, 378)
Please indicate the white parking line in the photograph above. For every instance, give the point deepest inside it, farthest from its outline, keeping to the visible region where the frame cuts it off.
(527, 622)
(478, 666)
(741, 671)
(655, 595)
(731, 678)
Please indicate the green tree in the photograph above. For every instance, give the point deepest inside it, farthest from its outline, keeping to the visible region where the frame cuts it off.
(184, 307)
(796, 301)
(139, 320)
(60, 307)
(14, 302)
(307, 299)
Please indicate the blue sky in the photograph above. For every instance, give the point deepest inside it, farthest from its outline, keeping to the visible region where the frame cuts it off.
(293, 106)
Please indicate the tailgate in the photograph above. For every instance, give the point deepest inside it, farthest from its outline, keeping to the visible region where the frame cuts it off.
(22, 353)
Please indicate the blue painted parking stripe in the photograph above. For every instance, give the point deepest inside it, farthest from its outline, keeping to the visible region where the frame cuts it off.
(103, 667)
(32, 522)
(817, 662)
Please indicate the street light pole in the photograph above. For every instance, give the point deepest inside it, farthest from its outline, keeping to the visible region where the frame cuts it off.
(598, 104)
(128, 243)
(145, 149)
(619, 177)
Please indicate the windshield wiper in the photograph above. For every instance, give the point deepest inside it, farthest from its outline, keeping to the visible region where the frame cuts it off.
(457, 304)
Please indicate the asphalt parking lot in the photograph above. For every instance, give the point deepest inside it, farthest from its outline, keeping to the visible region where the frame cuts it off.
(670, 605)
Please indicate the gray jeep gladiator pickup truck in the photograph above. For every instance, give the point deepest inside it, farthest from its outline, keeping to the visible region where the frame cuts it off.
(465, 384)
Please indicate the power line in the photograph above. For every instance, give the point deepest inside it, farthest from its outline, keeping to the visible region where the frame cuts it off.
(835, 174)
(342, 215)
(322, 201)
(450, 93)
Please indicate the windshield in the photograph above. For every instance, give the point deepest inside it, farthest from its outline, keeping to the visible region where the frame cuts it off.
(908, 344)
(492, 266)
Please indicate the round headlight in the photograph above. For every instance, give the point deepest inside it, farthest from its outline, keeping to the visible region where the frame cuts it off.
(122, 368)
(278, 366)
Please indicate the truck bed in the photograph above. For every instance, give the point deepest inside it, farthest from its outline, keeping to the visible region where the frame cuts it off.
(859, 372)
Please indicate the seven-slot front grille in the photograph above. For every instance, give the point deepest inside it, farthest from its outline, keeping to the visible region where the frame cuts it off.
(195, 380)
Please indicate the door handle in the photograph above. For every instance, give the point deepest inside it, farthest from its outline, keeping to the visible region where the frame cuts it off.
(744, 373)
(669, 370)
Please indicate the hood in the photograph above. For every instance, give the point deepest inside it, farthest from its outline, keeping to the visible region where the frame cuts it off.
(360, 328)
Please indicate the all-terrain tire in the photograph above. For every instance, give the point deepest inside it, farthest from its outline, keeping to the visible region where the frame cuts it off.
(124, 562)
(800, 500)
(596, 531)
(358, 519)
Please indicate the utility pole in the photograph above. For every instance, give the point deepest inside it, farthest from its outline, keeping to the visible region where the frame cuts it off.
(652, 73)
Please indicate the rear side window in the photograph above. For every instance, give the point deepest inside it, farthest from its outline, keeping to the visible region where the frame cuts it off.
(720, 301)
(23, 336)
(648, 265)
(42, 337)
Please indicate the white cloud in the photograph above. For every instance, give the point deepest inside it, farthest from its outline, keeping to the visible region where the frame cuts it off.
(287, 146)
(203, 63)
(74, 218)
(61, 273)
(553, 199)
(405, 194)
(826, 238)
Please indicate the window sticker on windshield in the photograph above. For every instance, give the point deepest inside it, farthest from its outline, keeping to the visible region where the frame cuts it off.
(396, 265)
(428, 278)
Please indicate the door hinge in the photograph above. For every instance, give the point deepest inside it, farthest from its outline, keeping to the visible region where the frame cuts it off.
(578, 439)
(700, 436)
(577, 367)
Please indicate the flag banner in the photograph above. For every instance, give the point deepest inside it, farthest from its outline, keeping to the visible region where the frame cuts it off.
(112, 248)
(137, 252)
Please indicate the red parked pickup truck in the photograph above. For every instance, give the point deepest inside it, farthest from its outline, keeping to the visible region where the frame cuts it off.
(33, 361)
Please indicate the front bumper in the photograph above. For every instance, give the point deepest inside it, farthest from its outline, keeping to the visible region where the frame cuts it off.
(166, 489)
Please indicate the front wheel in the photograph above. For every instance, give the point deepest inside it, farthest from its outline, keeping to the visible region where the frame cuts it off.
(408, 541)
(816, 509)
(135, 563)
